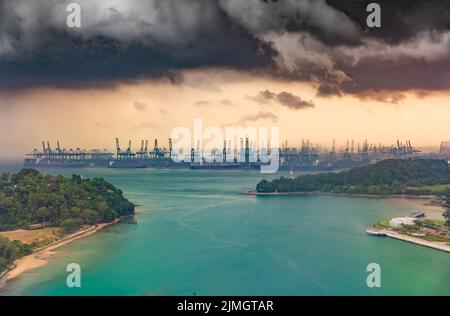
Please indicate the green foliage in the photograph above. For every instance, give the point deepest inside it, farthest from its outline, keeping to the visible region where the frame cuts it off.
(90, 217)
(70, 225)
(383, 224)
(447, 217)
(435, 238)
(390, 176)
(3, 264)
(10, 251)
(29, 197)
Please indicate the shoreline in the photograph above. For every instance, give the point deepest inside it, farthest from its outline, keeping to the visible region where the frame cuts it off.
(313, 193)
(433, 198)
(441, 246)
(40, 255)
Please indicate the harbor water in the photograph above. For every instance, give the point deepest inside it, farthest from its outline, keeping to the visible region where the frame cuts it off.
(195, 234)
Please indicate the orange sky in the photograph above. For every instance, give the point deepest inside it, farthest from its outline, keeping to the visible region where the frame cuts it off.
(92, 118)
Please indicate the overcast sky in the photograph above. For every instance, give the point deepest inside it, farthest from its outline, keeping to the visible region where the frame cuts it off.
(137, 69)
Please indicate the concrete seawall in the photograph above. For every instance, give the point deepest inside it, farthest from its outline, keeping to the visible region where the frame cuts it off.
(417, 241)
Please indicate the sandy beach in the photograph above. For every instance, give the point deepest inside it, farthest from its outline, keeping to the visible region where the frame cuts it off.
(432, 207)
(39, 256)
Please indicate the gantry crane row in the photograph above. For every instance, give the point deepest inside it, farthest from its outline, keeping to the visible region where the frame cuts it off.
(170, 148)
(410, 146)
(308, 152)
(117, 147)
(224, 152)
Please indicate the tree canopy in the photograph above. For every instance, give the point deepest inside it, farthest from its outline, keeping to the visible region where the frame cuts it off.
(29, 197)
(390, 176)
(10, 251)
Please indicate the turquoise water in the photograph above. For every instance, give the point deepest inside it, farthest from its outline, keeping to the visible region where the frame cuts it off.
(195, 234)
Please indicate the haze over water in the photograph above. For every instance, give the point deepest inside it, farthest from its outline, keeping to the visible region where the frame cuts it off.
(196, 234)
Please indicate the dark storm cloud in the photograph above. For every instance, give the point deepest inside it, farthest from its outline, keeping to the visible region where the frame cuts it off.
(401, 19)
(325, 42)
(326, 89)
(120, 46)
(392, 97)
(373, 74)
(292, 101)
(283, 98)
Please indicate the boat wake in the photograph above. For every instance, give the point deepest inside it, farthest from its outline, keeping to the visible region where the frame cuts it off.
(209, 236)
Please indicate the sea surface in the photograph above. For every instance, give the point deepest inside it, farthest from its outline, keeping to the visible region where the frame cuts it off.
(195, 234)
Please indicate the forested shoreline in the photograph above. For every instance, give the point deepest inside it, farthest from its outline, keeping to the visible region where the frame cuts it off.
(387, 177)
(29, 199)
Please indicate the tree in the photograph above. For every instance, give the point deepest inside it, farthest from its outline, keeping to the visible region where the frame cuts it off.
(10, 251)
(70, 225)
(447, 216)
(28, 197)
(390, 176)
(90, 217)
(43, 213)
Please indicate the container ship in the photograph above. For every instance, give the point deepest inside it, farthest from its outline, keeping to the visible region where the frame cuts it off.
(216, 166)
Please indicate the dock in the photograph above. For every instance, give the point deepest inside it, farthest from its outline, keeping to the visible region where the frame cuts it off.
(386, 233)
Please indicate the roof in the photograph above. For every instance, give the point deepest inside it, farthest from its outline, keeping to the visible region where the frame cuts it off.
(417, 214)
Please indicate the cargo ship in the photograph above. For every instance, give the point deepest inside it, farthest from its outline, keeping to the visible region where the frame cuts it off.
(216, 166)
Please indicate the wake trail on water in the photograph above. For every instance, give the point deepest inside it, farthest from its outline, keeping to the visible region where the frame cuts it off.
(217, 196)
(209, 236)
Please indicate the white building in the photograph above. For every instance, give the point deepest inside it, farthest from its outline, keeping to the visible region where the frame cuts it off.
(399, 221)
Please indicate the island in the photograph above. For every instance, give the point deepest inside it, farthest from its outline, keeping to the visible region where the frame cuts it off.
(387, 178)
(38, 211)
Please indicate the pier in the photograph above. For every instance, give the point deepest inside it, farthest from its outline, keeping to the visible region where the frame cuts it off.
(387, 233)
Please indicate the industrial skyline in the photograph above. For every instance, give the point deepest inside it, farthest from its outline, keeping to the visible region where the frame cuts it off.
(241, 153)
